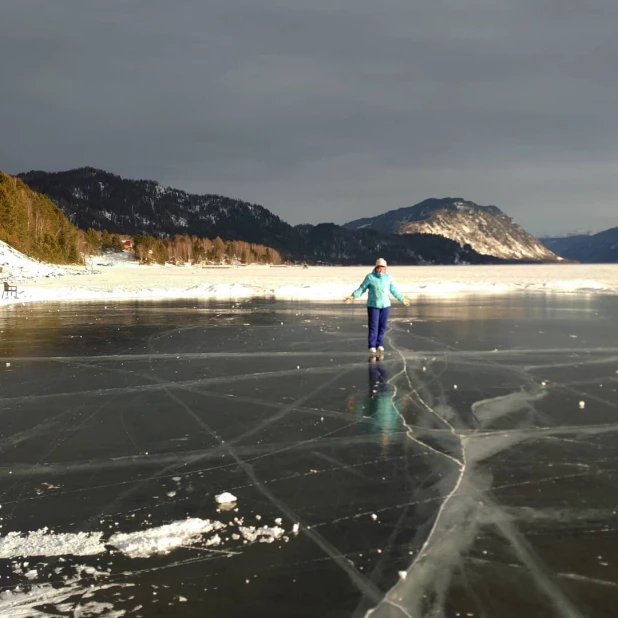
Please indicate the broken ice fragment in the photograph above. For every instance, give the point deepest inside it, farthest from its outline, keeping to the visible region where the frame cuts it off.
(225, 498)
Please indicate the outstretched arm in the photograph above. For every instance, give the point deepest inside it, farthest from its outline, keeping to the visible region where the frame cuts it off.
(359, 291)
(397, 294)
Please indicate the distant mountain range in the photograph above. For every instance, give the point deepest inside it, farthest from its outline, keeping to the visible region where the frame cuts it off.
(485, 228)
(95, 198)
(591, 248)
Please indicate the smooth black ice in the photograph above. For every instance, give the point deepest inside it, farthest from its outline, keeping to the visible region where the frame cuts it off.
(472, 472)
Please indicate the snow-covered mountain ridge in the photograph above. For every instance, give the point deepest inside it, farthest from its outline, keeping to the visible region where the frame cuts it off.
(486, 229)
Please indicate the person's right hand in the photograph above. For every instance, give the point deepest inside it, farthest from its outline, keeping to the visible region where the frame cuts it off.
(348, 299)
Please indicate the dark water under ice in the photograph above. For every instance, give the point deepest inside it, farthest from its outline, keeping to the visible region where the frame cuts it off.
(460, 476)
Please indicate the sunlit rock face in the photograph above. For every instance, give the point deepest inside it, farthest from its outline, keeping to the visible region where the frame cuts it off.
(484, 228)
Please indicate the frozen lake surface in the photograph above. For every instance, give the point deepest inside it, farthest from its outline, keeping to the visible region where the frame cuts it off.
(473, 472)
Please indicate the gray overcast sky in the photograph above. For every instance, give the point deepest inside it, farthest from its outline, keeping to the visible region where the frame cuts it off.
(325, 110)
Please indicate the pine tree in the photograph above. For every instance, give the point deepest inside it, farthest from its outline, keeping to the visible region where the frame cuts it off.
(219, 247)
(93, 242)
(106, 240)
(199, 253)
(116, 243)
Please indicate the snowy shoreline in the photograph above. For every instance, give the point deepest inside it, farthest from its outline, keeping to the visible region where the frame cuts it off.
(306, 284)
(120, 277)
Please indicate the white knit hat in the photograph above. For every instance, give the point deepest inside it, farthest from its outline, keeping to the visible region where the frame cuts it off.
(381, 262)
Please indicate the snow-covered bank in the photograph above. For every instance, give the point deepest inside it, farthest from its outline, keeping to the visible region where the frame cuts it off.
(129, 281)
(315, 283)
(17, 267)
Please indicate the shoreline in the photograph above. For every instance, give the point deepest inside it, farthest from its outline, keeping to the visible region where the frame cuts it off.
(315, 283)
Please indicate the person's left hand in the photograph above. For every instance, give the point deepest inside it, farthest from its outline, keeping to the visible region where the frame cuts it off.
(406, 302)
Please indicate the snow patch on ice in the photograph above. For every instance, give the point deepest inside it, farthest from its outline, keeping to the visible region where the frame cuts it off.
(45, 543)
(162, 539)
(265, 534)
(138, 544)
(24, 603)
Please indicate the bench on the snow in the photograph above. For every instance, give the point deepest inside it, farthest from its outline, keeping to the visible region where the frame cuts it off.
(8, 290)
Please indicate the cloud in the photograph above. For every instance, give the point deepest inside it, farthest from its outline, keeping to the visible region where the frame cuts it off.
(328, 110)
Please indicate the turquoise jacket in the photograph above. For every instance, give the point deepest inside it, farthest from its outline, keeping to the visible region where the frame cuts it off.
(379, 286)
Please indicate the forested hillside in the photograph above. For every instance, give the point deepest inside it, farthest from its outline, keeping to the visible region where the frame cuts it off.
(32, 224)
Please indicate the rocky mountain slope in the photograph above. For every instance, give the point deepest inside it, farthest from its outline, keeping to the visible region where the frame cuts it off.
(486, 229)
(104, 201)
(588, 248)
(330, 243)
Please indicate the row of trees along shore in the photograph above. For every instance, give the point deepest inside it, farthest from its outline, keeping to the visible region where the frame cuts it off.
(183, 249)
(191, 249)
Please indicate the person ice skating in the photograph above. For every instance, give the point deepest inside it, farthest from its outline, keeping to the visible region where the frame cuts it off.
(380, 285)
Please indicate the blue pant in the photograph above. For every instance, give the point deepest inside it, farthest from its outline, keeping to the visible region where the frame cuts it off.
(377, 320)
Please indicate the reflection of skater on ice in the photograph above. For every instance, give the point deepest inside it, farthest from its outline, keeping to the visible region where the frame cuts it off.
(377, 409)
(380, 285)
(378, 380)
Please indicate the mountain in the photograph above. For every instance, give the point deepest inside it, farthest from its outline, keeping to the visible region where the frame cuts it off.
(486, 229)
(561, 245)
(32, 224)
(589, 248)
(332, 243)
(95, 198)
(104, 201)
